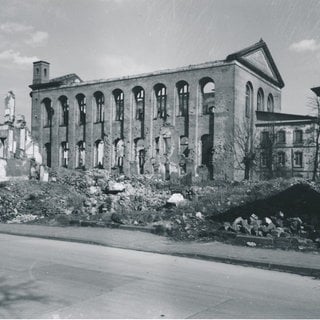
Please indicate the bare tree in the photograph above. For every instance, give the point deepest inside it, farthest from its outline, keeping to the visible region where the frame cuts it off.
(314, 105)
(244, 144)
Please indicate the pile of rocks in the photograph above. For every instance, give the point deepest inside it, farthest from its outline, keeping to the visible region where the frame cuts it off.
(277, 226)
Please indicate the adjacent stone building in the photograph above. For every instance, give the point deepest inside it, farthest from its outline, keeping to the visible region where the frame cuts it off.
(170, 122)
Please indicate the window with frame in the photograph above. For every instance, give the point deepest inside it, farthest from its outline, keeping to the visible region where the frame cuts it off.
(263, 160)
(99, 99)
(260, 100)
(64, 111)
(80, 154)
(281, 137)
(161, 102)
(82, 108)
(139, 102)
(249, 96)
(298, 135)
(119, 104)
(281, 159)
(265, 137)
(297, 159)
(183, 98)
(208, 95)
(270, 103)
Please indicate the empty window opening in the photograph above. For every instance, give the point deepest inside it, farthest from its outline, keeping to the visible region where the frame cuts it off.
(139, 102)
(64, 111)
(82, 108)
(80, 154)
(208, 95)
(47, 159)
(48, 112)
(183, 98)
(161, 102)
(99, 100)
(119, 104)
(64, 150)
(119, 154)
(98, 154)
(281, 159)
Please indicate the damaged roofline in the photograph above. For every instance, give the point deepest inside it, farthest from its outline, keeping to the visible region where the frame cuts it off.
(217, 63)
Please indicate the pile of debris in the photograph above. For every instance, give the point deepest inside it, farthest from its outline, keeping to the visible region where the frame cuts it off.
(275, 226)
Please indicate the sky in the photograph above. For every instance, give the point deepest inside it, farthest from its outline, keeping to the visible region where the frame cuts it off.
(99, 39)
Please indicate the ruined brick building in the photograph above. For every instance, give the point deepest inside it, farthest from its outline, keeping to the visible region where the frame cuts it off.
(16, 145)
(170, 122)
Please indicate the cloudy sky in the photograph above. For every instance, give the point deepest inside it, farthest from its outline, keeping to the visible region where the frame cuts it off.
(98, 39)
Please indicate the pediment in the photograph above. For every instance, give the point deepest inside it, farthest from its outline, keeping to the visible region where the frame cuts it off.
(259, 60)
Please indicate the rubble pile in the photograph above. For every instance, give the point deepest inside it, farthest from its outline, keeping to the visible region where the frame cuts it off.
(275, 226)
(279, 209)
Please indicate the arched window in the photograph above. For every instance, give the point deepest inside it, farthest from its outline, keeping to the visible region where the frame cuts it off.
(48, 112)
(82, 107)
(80, 154)
(98, 154)
(99, 99)
(119, 104)
(270, 103)
(139, 102)
(160, 110)
(208, 95)
(64, 110)
(183, 98)
(64, 150)
(249, 96)
(260, 100)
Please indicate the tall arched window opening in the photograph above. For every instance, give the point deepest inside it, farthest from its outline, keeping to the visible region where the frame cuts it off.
(48, 112)
(139, 102)
(80, 154)
(82, 108)
(183, 98)
(249, 98)
(160, 110)
(64, 111)
(260, 100)
(99, 100)
(270, 103)
(98, 154)
(207, 95)
(119, 104)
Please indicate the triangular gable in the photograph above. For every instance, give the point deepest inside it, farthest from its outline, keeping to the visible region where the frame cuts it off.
(258, 58)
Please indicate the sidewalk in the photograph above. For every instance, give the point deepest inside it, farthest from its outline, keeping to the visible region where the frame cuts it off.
(304, 263)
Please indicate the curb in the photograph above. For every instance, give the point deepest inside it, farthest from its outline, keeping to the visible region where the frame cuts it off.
(304, 271)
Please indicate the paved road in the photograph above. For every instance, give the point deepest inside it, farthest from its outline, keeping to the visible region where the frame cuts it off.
(55, 279)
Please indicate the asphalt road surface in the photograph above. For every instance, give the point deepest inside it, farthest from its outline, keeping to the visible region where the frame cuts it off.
(55, 279)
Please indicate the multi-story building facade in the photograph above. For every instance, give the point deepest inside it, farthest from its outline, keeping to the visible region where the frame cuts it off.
(168, 122)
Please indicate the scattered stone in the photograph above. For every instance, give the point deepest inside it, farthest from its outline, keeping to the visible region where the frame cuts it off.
(176, 199)
(251, 244)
